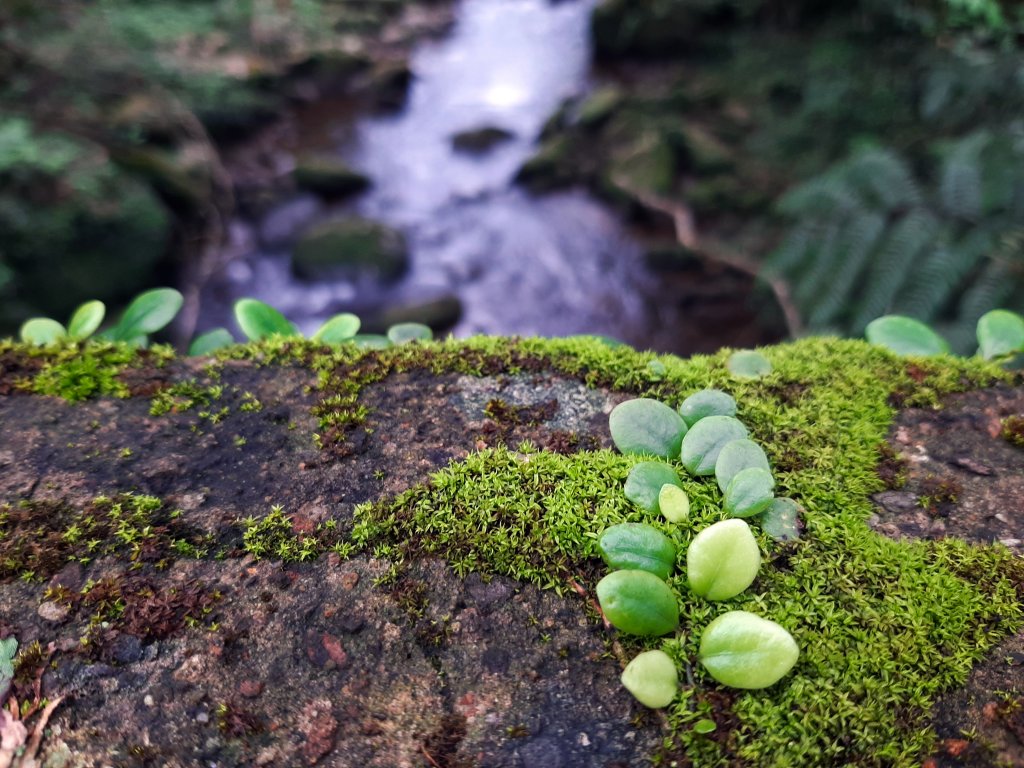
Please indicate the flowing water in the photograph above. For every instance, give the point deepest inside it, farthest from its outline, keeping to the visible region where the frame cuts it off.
(548, 265)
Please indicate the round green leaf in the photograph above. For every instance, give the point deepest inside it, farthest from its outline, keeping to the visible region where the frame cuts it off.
(748, 364)
(148, 313)
(645, 481)
(656, 370)
(705, 726)
(646, 426)
(638, 546)
(705, 440)
(638, 603)
(41, 331)
(652, 678)
(1000, 333)
(742, 650)
(905, 336)
(749, 493)
(86, 319)
(674, 503)
(210, 341)
(371, 341)
(782, 519)
(722, 560)
(258, 320)
(738, 455)
(707, 402)
(338, 329)
(402, 333)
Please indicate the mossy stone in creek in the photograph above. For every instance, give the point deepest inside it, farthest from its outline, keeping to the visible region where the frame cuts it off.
(350, 246)
(328, 176)
(480, 140)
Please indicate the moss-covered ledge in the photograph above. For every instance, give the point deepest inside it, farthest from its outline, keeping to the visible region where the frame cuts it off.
(295, 555)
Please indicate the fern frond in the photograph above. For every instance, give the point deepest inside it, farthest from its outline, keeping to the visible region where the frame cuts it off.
(821, 263)
(793, 251)
(961, 187)
(937, 277)
(854, 247)
(893, 261)
(883, 180)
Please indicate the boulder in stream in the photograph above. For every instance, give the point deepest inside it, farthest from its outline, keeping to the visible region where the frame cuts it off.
(480, 140)
(328, 176)
(350, 246)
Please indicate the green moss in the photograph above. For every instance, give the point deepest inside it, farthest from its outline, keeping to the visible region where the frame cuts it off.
(883, 626)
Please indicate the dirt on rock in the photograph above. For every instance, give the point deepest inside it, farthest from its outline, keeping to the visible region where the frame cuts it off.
(954, 472)
(233, 661)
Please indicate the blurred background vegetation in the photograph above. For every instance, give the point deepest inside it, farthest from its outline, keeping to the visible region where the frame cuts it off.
(866, 156)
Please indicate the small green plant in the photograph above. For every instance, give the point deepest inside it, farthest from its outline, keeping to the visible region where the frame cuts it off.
(722, 560)
(1000, 334)
(8, 650)
(147, 313)
(652, 678)
(645, 481)
(638, 603)
(748, 364)
(706, 439)
(743, 650)
(749, 493)
(638, 546)
(674, 503)
(646, 426)
(707, 402)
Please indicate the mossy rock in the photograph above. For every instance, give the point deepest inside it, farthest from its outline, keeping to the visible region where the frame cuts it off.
(599, 106)
(318, 538)
(647, 163)
(100, 235)
(439, 314)
(350, 246)
(549, 167)
(481, 140)
(328, 176)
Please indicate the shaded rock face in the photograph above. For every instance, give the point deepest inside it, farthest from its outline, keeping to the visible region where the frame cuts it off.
(480, 140)
(333, 662)
(350, 246)
(328, 176)
(952, 473)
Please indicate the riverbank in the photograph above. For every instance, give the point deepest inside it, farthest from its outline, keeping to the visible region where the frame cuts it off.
(124, 168)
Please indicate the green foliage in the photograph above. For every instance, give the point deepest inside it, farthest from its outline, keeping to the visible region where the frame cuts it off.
(638, 603)
(148, 313)
(905, 336)
(8, 649)
(638, 546)
(652, 678)
(743, 650)
(872, 237)
(722, 560)
(259, 320)
(645, 426)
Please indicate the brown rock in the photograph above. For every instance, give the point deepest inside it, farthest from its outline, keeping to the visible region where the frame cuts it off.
(320, 728)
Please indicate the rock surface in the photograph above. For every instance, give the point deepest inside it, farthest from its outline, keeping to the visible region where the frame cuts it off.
(350, 246)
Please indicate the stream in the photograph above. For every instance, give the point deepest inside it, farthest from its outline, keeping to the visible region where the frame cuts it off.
(549, 265)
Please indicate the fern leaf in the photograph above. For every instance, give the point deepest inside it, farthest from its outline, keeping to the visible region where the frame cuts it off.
(792, 252)
(855, 245)
(822, 262)
(892, 263)
(883, 180)
(961, 187)
(938, 276)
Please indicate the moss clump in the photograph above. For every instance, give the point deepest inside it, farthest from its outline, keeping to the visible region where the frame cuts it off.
(1013, 430)
(883, 626)
(38, 538)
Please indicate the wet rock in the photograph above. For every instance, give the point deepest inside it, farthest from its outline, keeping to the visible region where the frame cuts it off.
(599, 106)
(705, 153)
(646, 163)
(328, 176)
(250, 689)
(51, 611)
(548, 168)
(439, 314)
(389, 83)
(480, 140)
(350, 246)
(542, 752)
